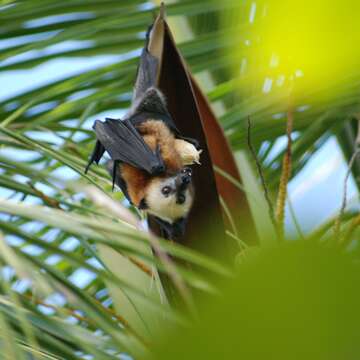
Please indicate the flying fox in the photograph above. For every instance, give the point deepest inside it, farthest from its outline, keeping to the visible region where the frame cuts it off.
(150, 161)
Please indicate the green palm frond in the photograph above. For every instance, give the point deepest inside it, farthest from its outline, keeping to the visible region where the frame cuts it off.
(78, 277)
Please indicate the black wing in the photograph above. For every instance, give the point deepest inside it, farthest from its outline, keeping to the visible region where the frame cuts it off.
(113, 168)
(125, 145)
(171, 231)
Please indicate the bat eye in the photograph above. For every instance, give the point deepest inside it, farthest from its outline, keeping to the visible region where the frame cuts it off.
(166, 190)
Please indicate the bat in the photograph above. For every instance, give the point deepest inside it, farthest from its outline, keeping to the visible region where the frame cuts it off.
(150, 160)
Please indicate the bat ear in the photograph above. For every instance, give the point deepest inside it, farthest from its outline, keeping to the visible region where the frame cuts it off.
(152, 101)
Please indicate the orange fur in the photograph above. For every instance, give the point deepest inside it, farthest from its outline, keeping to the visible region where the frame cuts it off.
(151, 141)
(136, 181)
(155, 133)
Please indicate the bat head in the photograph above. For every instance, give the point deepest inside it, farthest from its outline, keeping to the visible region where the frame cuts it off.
(170, 198)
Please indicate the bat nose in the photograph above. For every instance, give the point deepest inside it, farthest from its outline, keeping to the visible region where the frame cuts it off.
(185, 176)
(182, 182)
(185, 179)
(181, 199)
(186, 170)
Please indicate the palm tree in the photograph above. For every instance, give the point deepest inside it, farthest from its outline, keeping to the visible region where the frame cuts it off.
(78, 275)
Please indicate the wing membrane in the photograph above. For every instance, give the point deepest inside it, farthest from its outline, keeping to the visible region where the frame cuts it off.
(124, 144)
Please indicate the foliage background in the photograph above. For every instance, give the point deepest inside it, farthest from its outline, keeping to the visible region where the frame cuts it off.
(69, 264)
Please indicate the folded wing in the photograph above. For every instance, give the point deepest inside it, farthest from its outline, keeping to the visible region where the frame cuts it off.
(125, 145)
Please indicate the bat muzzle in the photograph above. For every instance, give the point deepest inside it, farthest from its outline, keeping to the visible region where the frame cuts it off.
(183, 181)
